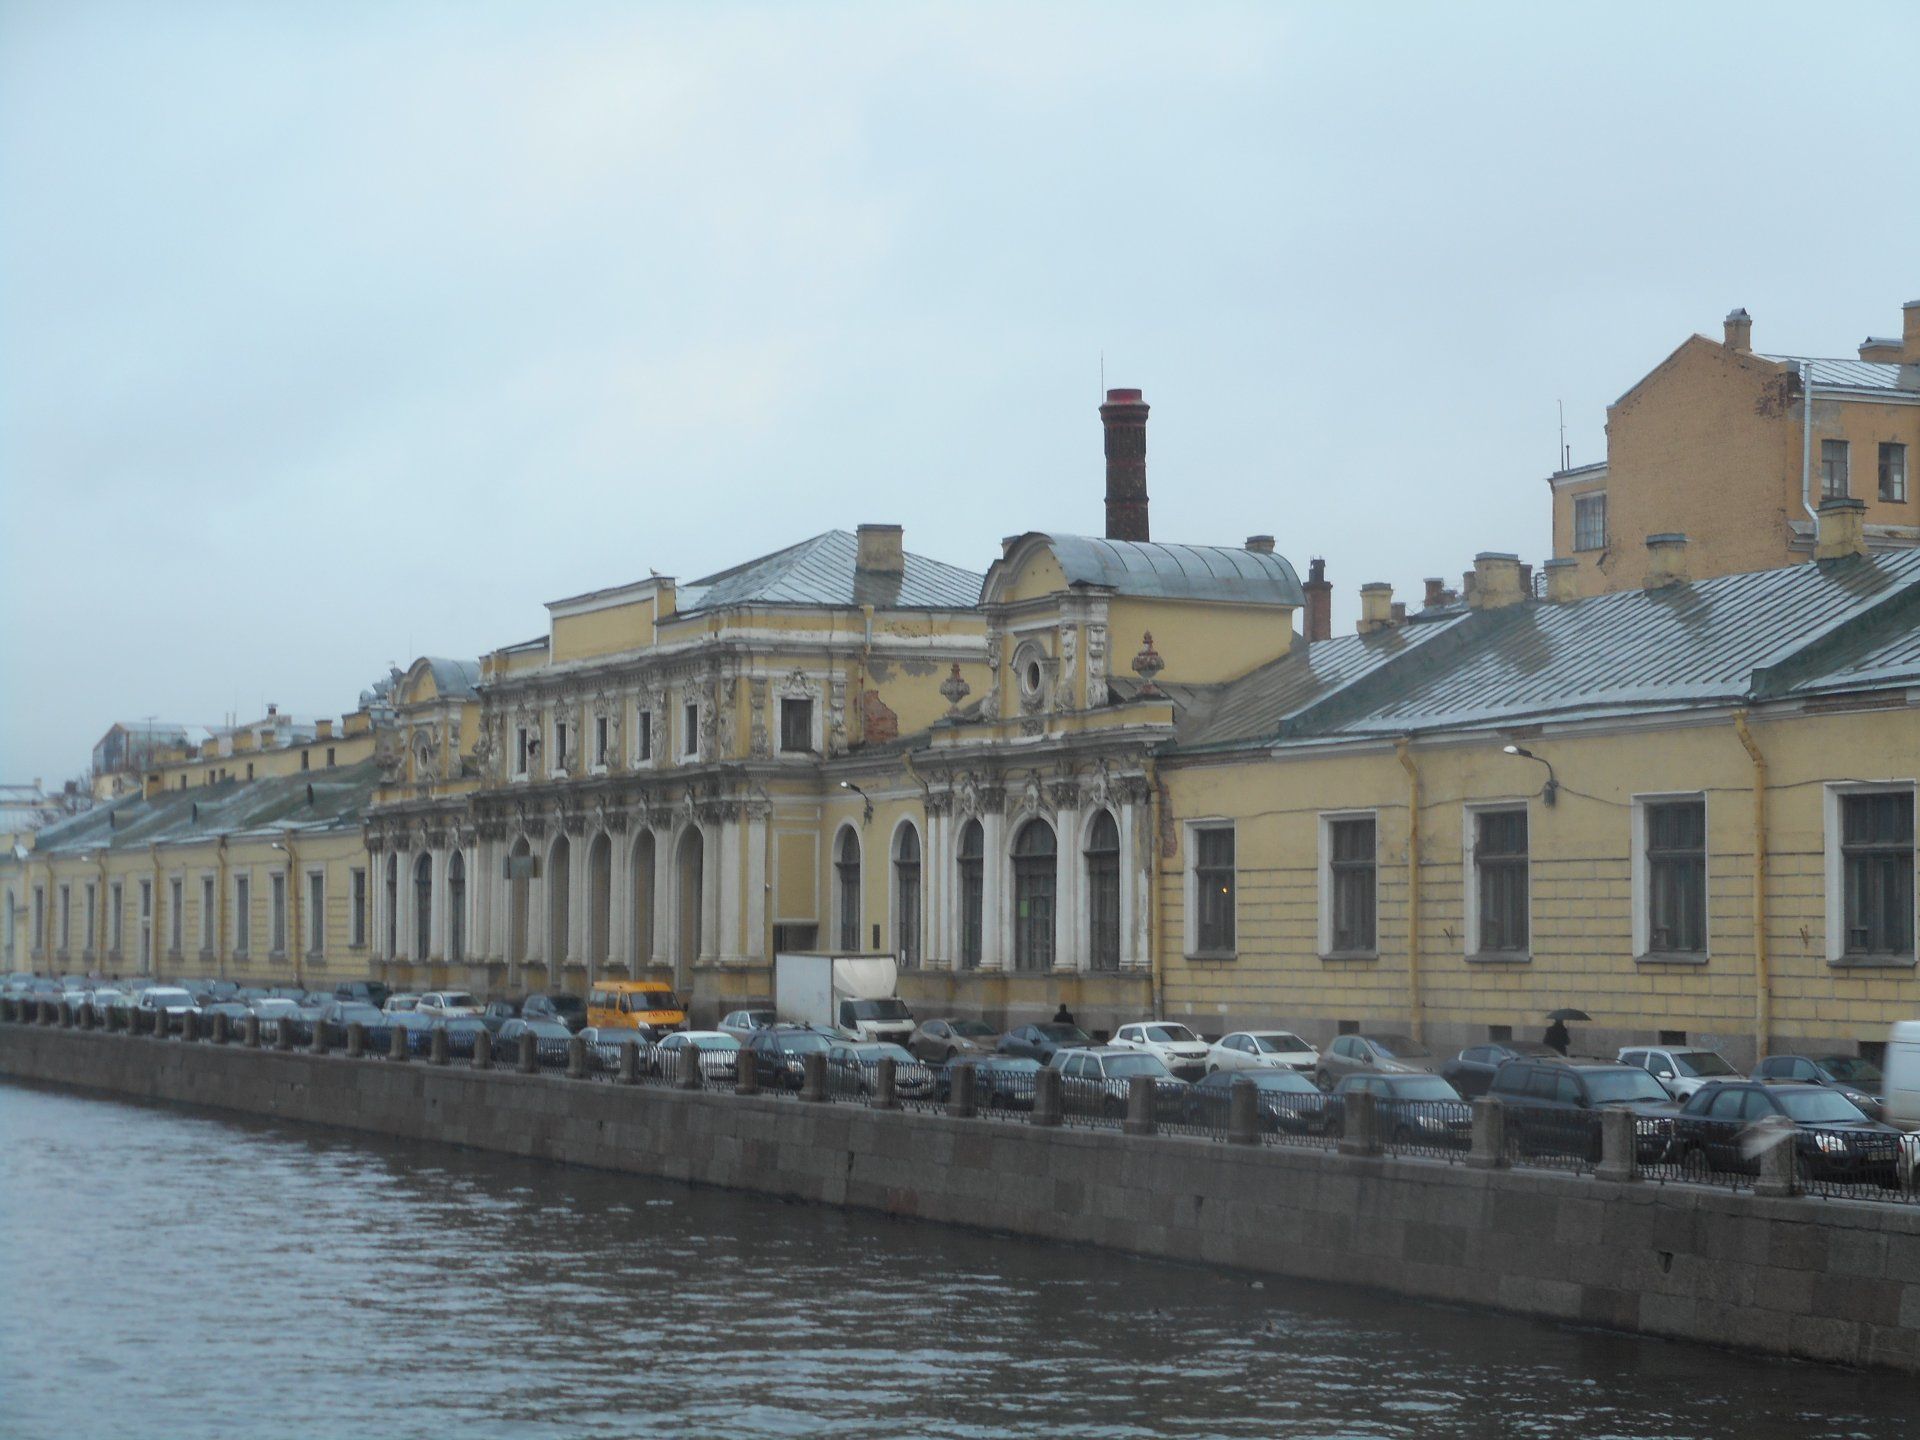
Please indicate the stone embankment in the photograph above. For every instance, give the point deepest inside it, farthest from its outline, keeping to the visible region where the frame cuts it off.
(1827, 1280)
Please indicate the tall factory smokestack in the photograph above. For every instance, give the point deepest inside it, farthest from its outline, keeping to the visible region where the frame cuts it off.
(1125, 418)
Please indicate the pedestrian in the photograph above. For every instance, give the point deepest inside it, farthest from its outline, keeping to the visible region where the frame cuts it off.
(1557, 1037)
(1063, 1016)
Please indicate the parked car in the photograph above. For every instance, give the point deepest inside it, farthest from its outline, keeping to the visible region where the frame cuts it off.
(1383, 1054)
(498, 1012)
(1262, 1050)
(1553, 1105)
(462, 1030)
(1043, 1042)
(105, 1000)
(1000, 1082)
(649, 1008)
(852, 1064)
(569, 1010)
(1285, 1100)
(1680, 1069)
(1471, 1072)
(168, 1002)
(1179, 1049)
(1096, 1080)
(779, 1054)
(401, 1003)
(337, 1015)
(371, 992)
(1857, 1079)
(719, 1053)
(545, 1030)
(741, 1024)
(235, 1012)
(444, 1004)
(1716, 1130)
(938, 1041)
(1412, 1109)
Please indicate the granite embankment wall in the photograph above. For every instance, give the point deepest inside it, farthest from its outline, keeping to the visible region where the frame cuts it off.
(1823, 1280)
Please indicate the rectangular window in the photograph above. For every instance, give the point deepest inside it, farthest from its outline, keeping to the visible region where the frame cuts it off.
(600, 740)
(357, 918)
(206, 912)
(1590, 521)
(1351, 884)
(39, 918)
(249, 769)
(277, 917)
(316, 913)
(1876, 854)
(1213, 889)
(559, 745)
(790, 937)
(646, 735)
(520, 751)
(116, 917)
(93, 918)
(176, 907)
(796, 724)
(66, 918)
(242, 914)
(1833, 469)
(1893, 472)
(1500, 880)
(329, 757)
(306, 760)
(1676, 879)
(690, 735)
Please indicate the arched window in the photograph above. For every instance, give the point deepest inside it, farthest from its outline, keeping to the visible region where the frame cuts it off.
(906, 895)
(1103, 893)
(423, 907)
(846, 868)
(642, 940)
(393, 906)
(1035, 874)
(519, 899)
(973, 893)
(599, 901)
(559, 902)
(456, 908)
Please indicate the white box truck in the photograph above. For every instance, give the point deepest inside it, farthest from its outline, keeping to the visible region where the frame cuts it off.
(848, 995)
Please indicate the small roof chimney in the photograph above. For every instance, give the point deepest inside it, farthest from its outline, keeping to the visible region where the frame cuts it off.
(881, 550)
(1739, 330)
(1260, 544)
(1910, 333)
(1317, 623)
(1376, 607)
(1563, 575)
(1125, 417)
(1495, 581)
(1840, 529)
(1666, 560)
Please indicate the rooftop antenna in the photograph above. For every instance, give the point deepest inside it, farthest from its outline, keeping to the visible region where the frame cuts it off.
(1566, 460)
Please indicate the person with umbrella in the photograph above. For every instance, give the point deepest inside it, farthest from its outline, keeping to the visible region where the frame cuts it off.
(1557, 1037)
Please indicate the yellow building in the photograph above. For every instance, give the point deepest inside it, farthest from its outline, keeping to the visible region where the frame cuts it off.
(1737, 450)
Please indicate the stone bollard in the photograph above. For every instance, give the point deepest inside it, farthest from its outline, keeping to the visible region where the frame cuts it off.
(813, 1085)
(529, 1053)
(1780, 1166)
(6, 1010)
(746, 1073)
(1140, 1119)
(46, 1012)
(283, 1035)
(1489, 1150)
(68, 1018)
(960, 1090)
(483, 1050)
(1619, 1146)
(629, 1062)
(250, 1032)
(88, 1021)
(318, 1044)
(886, 1095)
(437, 1052)
(162, 1024)
(691, 1077)
(1046, 1096)
(356, 1040)
(1360, 1132)
(1243, 1113)
(576, 1059)
(218, 1031)
(190, 1026)
(397, 1043)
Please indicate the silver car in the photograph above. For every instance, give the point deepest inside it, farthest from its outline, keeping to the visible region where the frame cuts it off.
(1379, 1054)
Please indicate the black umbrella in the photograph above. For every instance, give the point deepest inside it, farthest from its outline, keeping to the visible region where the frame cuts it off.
(1568, 1014)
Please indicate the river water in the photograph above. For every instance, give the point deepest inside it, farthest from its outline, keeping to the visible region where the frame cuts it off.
(179, 1274)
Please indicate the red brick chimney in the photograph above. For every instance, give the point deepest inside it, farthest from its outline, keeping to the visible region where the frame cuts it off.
(1319, 590)
(1125, 418)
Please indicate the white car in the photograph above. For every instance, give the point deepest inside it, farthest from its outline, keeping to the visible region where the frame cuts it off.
(1178, 1048)
(400, 1004)
(444, 1004)
(1262, 1050)
(166, 1000)
(1679, 1068)
(741, 1024)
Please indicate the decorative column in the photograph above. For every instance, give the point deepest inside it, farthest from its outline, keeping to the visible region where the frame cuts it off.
(1069, 934)
(754, 942)
(731, 946)
(996, 918)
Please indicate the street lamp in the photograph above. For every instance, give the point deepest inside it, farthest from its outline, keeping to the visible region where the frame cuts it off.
(1550, 792)
(866, 817)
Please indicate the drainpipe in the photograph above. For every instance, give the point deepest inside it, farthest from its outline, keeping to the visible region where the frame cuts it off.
(1402, 749)
(1762, 991)
(1806, 450)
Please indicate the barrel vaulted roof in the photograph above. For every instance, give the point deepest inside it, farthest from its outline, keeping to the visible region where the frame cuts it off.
(1164, 571)
(824, 571)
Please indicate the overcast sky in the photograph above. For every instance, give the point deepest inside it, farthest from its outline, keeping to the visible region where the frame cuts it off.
(333, 334)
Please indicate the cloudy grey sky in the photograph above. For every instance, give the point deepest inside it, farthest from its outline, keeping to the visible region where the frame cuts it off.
(333, 334)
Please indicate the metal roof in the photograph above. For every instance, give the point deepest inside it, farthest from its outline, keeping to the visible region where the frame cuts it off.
(231, 807)
(824, 571)
(453, 678)
(1855, 374)
(1178, 572)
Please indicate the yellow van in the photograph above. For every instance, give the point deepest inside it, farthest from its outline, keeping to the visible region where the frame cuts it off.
(648, 1005)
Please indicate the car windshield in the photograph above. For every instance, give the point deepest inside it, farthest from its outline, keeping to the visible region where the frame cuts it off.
(888, 1009)
(716, 1042)
(641, 1001)
(1424, 1087)
(803, 1044)
(1130, 1065)
(458, 997)
(1610, 1087)
(567, 1004)
(1701, 1063)
(873, 1053)
(548, 1030)
(1066, 1034)
(1816, 1105)
(1850, 1069)
(970, 1029)
(1170, 1034)
(365, 1014)
(1283, 1080)
(1399, 1047)
(1279, 1043)
(169, 997)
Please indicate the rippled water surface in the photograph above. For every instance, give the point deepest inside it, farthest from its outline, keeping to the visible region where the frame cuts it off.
(171, 1273)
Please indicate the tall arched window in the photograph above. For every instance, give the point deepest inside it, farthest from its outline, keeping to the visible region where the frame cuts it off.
(846, 869)
(393, 906)
(1035, 874)
(642, 942)
(1103, 893)
(559, 902)
(906, 895)
(519, 899)
(456, 908)
(973, 893)
(599, 901)
(423, 907)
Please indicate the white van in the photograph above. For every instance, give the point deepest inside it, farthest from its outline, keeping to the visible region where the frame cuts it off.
(1901, 1104)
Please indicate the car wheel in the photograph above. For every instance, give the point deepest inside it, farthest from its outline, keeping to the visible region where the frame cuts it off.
(952, 1055)
(1695, 1166)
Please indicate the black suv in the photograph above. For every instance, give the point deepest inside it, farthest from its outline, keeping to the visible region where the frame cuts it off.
(1471, 1072)
(1832, 1139)
(569, 1010)
(778, 1054)
(1553, 1106)
(372, 992)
